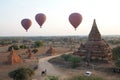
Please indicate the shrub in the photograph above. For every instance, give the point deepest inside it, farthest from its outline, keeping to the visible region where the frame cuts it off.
(52, 78)
(116, 52)
(66, 57)
(117, 63)
(15, 47)
(23, 46)
(75, 60)
(86, 78)
(21, 74)
(35, 51)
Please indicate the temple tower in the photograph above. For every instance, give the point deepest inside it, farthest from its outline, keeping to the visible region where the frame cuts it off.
(95, 47)
(13, 58)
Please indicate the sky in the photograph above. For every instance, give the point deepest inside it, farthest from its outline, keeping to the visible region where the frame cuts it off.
(106, 13)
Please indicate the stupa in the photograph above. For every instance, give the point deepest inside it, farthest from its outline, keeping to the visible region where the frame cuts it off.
(51, 51)
(30, 54)
(95, 46)
(13, 58)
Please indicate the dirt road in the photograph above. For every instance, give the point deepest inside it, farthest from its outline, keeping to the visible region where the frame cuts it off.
(51, 70)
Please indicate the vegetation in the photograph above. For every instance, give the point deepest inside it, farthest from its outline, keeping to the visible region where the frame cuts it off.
(52, 78)
(74, 60)
(15, 47)
(35, 50)
(116, 52)
(21, 74)
(66, 57)
(117, 63)
(5, 42)
(86, 78)
(23, 46)
(38, 44)
(76, 78)
(114, 42)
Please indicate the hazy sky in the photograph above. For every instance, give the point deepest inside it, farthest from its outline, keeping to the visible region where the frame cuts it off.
(106, 13)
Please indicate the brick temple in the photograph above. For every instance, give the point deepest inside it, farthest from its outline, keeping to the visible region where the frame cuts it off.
(13, 58)
(95, 46)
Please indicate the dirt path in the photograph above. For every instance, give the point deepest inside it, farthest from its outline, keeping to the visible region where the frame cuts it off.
(64, 73)
(51, 70)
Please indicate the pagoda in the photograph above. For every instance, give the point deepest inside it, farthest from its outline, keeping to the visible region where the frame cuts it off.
(13, 58)
(30, 54)
(51, 51)
(95, 46)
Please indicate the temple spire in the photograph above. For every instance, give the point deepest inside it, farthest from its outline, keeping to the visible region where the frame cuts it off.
(94, 34)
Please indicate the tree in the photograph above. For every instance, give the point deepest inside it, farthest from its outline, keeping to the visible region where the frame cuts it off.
(66, 57)
(75, 60)
(21, 74)
(23, 46)
(117, 63)
(116, 52)
(15, 47)
(35, 50)
(38, 44)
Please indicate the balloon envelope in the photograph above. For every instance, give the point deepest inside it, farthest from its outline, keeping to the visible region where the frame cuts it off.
(75, 19)
(26, 23)
(40, 18)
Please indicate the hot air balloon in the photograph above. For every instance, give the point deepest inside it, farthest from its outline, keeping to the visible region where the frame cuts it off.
(26, 23)
(40, 18)
(75, 19)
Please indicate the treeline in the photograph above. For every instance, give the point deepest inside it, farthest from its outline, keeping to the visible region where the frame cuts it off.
(114, 42)
(36, 44)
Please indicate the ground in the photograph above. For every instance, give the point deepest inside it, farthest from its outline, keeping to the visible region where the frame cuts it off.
(103, 70)
(5, 68)
(52, 69)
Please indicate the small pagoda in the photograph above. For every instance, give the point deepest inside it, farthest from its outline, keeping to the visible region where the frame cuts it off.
(30, 54)
(95, 47)
(13, 58)
(51, 51)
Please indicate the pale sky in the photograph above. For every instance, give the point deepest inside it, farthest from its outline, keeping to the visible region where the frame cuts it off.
(106, 13)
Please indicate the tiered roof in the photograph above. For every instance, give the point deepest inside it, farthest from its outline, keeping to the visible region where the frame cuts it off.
(95, 45)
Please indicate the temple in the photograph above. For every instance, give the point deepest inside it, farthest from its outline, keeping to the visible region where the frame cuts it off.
(51, 51)
(13, 58)
(95, 46)
(30, 54)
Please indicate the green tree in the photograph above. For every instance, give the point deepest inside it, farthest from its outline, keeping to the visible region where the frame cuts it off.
(116, 52)
(52, 78)
(15, 47)
(23, 46)
(117, 63)
(75, 60)
(66, 57)
(38, 44)
(21, 74)
(35, 50)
